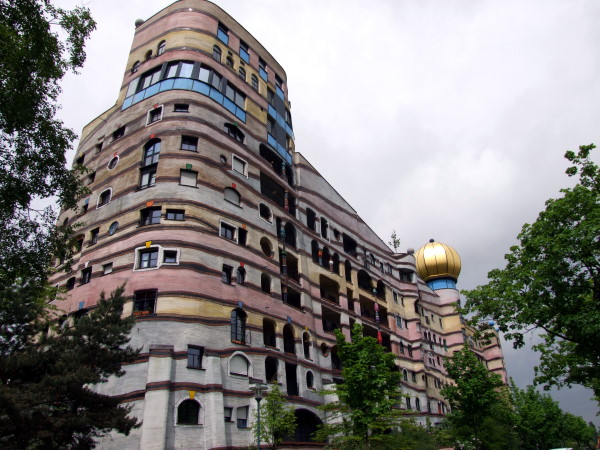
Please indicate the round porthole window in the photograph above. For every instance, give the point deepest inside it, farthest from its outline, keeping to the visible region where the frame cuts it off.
(113, 163)
(113, 228)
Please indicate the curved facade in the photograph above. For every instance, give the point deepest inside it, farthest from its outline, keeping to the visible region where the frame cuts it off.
(239, 259)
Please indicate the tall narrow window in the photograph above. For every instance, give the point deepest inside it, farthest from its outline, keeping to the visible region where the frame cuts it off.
(86, 275)
(223, 34)
(244, 52)
(238, 326)
(161, 48)
(254, 81)
(194, 357)
(239, 165)
(216, 53)
(242, 73)
(241, 275)
(151, 152)
(226, 274)
(94, 236)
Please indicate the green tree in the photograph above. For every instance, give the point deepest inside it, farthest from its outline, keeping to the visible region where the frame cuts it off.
(479, 408)
(277, 419)
(551, 282)
(45, 397)
(364, 412)
(39, 43)
(540, 422)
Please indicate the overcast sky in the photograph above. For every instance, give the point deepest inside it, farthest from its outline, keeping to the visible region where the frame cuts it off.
(441, 119)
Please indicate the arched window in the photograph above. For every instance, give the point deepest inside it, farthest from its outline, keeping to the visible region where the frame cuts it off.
(217, 53)
(234, 132)
(310, 380)
(242, 73)
(188, 412)
(266, 247)
(238, 326)
(306, 344)
(135, 67)
(289, 345)
(104, 197)
(241, 275)
(151, 152)
(161, 48)
(233, 196)
(265, 283)
(254, 79)
(148, 55)
(239, 365)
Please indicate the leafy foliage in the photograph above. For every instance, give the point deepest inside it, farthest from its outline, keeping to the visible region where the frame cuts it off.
(552, 282)
(45, 378)
(474, 398)
(277, 420)
(540, 423)
(32, 141)
(364, 412)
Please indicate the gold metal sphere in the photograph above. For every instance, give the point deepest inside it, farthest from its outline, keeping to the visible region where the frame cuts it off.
(437, 260)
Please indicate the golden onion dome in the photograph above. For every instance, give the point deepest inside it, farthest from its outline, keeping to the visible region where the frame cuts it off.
(437, 260)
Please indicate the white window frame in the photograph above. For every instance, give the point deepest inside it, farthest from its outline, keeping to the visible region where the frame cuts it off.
(162, 110)
(161, 257)
(243, 161)
(270, 211)
(200, 423)
(107, 268)
(239, 375)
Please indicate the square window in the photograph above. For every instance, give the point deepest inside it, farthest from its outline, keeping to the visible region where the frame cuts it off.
(226, 274)
(181, 107)
(194, 357)
(148, 258)
(188, 178)
(189, 143)
(175, 214)
(145, 301)
(86, 275)
(227, 231)
(94, 236)
(107, 268)
(150, 216)
(170, 257)
(98, 148)
(239, 165)
(118, 133)
(154, 115)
